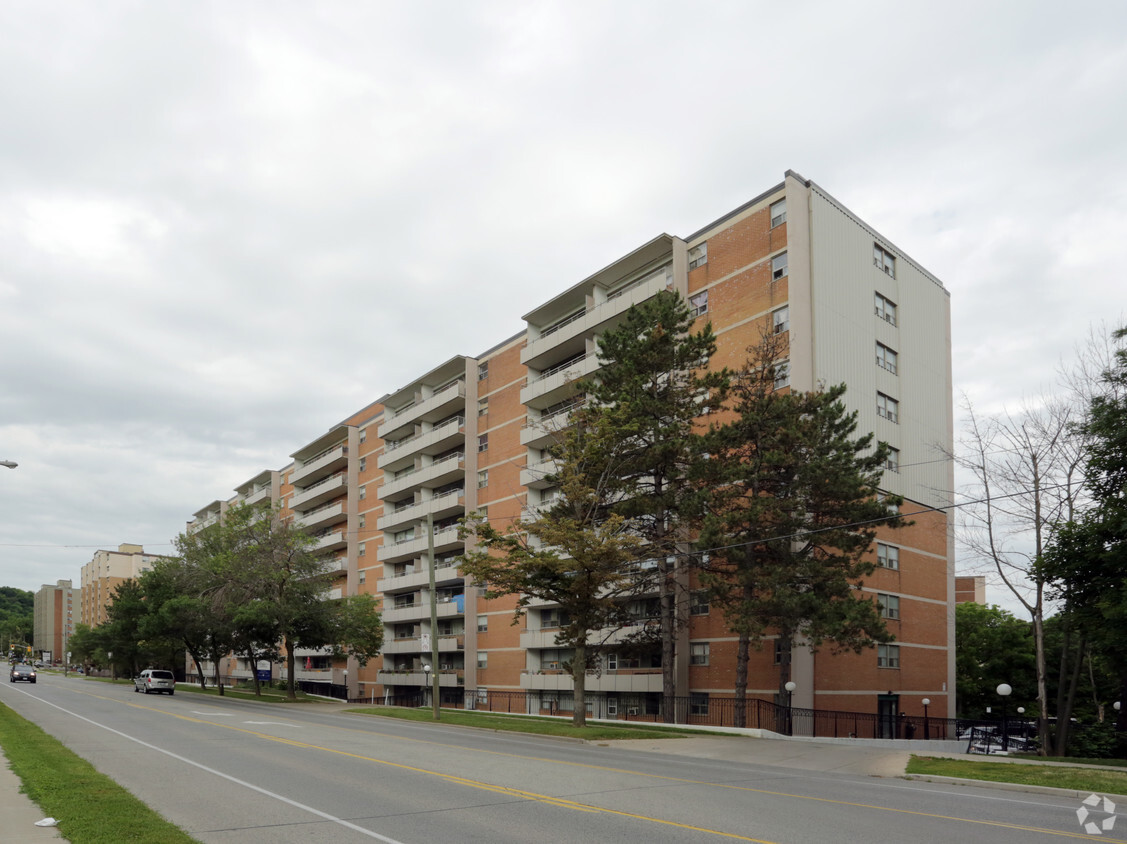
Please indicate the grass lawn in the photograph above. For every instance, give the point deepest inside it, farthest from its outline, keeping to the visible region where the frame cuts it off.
(89, 806)
(594, 731)
(1054, 776)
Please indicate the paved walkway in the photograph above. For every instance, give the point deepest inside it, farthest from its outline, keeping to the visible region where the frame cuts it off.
(18, 814)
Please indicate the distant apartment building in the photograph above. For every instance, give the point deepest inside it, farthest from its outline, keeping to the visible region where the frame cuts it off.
(970, 589)
(57, 610)
(472, 433)
(102, 575)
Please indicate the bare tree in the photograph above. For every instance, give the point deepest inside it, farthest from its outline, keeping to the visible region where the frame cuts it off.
(1026, 480)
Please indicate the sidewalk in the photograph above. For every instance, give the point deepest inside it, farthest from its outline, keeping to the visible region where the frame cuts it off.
(18, 814)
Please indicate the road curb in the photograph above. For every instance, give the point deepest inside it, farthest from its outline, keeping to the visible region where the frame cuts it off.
(1007, 786)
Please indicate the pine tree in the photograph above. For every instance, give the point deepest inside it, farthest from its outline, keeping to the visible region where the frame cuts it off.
(791, 500)
(575, 554)
(654, 376)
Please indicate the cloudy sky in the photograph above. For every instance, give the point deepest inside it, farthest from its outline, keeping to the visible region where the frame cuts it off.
(222, 224)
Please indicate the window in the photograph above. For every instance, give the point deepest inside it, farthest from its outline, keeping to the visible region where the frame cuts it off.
(483, 479)
(482, 407)
(886, 309)
(363, 435)
(363, 464)
(888, 408)
(362, 520)
(892, 464)
(778, 660)
(888, 556)
(888, 656)
(698, 703)
(889, 605)
(483, 370)
(778, 266)
(482, 660)
(363, 577)
(360, 550)
(886, 358)
(482, 623)
(698, 653)
(884, 260)
(778, 213)
(698, 255)
(782, 374)
(483, 443)
(363, 491)
(698, 304)
(698, 603)
(780, 320)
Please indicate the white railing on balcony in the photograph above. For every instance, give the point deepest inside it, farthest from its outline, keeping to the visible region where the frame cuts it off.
(566, 321)
(571, 363)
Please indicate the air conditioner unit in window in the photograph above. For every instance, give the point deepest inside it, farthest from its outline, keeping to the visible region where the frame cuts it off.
(632, 710)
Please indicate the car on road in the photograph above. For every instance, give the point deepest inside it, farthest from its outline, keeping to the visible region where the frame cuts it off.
(22, 672)
(154, 680)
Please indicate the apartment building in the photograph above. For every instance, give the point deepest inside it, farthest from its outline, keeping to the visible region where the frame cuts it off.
(102, 575)
(57, 609)
(383, 490)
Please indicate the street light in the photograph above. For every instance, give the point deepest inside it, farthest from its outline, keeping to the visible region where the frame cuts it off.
(10, 464)
(927, 732)
(426, 673)
(790, 686)
(1004, 691)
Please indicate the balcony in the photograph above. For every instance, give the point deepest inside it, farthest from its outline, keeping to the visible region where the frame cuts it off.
(319, 492)
(543, 638)
(536, 475)
(257, 496)
(417, 677)
(557, 383)
(544, 431)
(421, 612)
(406, 549)
(408, 645)
(607, 309)
(319, 466)
(439, 506)
(400, 453)
(444, 575)
(435, 474)
(323, 517)
(331, 541)
(335, 567)
(622, 680)
(442, 403)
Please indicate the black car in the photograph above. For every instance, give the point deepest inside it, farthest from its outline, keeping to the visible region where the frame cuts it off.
(22, 672)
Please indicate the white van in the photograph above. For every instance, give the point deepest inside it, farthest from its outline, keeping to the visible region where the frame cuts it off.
(154, 680)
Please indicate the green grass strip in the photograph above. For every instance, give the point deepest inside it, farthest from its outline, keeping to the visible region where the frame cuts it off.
(594, 731)
(90, 807)
(1053, 776)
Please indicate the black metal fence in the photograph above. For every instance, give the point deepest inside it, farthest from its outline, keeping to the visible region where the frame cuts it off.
(714, 712)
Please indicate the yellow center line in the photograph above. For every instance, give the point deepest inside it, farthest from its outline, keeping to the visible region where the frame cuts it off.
(562, 802)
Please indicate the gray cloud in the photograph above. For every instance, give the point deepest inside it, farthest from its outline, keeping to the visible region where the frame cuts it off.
(221, 226)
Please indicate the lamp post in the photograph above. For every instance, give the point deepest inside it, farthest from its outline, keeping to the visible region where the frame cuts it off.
(9, 464)
(790, 686)
(1004, 691)
(426, 673)
(927, 731)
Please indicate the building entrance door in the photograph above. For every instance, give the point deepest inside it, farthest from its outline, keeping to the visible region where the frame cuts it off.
(887, 708)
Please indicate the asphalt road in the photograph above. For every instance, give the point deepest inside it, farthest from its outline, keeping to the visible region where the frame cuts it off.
(233, 771)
